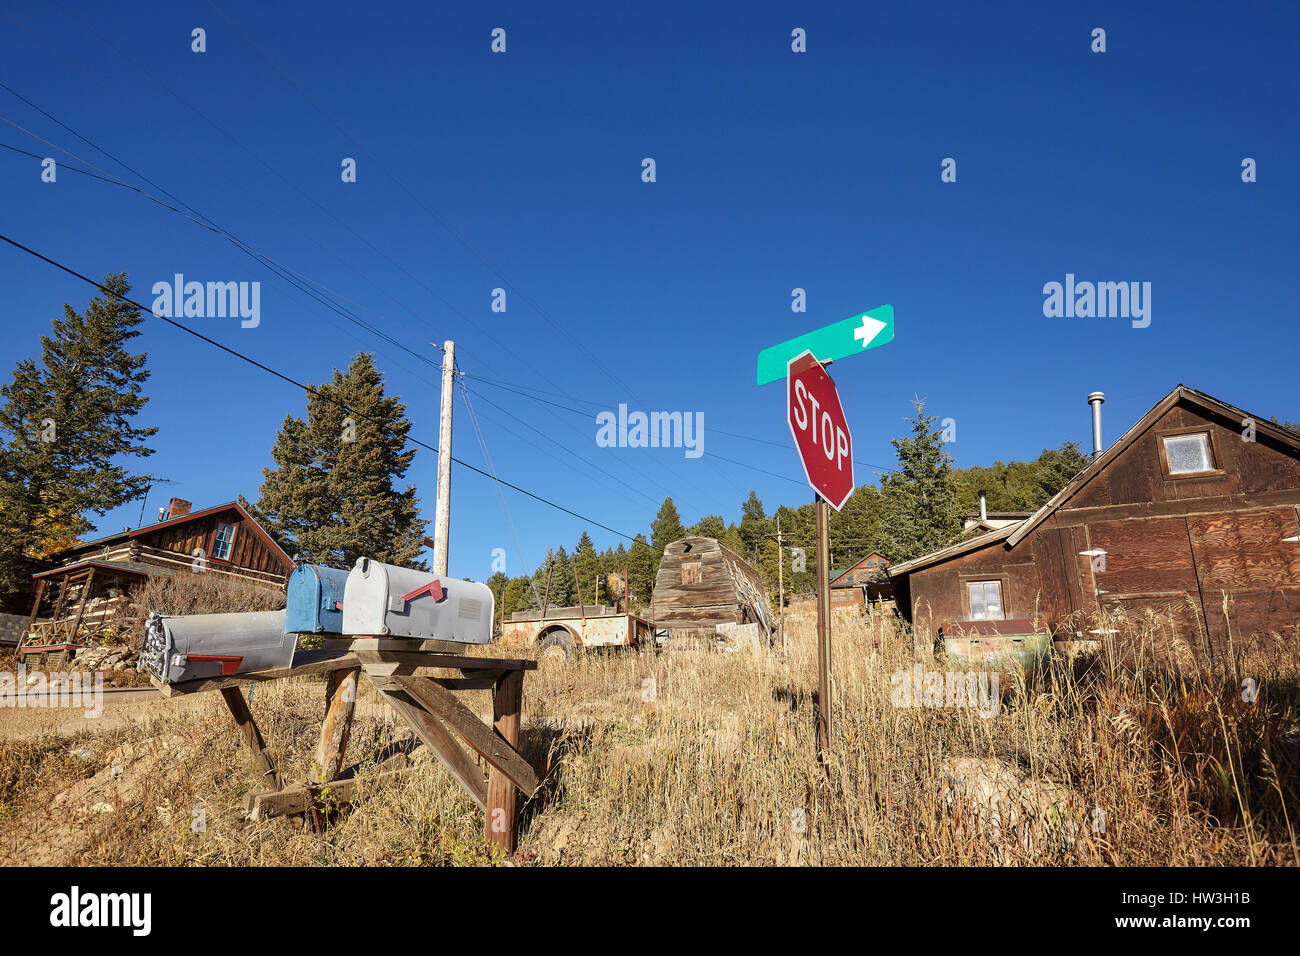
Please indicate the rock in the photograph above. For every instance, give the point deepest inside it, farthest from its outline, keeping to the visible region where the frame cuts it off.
(993, 799)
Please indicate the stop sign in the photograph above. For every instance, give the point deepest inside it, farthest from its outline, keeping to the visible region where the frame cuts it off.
(820, 430)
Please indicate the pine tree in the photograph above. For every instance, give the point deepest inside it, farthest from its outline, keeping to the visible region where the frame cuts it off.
(65, 426)
(666, 528)
(710, 526)
(642, 568)
(332, 491)
(922, 512)
(754, 525)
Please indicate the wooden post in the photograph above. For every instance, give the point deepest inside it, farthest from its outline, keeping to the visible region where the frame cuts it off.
(546, 599)
(234, 698)
(823, 626)
(780, 582)
(36, 608)
(582, 611)
(507, 701)
(81, 604)
(340, 703)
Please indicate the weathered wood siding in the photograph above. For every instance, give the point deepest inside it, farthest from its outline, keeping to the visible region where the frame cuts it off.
(1178, 547)
(701, 584)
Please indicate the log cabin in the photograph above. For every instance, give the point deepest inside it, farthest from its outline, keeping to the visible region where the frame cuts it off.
(89, 584)
(1189, 519)
(701, 584)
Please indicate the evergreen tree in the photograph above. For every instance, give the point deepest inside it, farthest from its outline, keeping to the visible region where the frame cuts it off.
(710, 526)
(65, 426)
(586, 565)
(754, 525)
(922, 512)
(332, 493)
(642, 568)
(666, 528)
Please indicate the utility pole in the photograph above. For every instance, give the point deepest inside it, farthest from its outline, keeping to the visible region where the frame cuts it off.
(780, 582)
(442, 512)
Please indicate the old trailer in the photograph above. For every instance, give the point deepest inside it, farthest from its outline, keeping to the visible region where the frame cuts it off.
(563, 630)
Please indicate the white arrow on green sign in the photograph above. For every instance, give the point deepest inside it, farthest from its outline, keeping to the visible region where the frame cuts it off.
(866, 330)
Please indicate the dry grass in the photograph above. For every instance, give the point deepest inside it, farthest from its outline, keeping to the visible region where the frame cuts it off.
(720, 768)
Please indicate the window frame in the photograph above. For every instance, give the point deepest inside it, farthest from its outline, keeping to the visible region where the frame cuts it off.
(212, 540)
(1214, 469)
(999, 580)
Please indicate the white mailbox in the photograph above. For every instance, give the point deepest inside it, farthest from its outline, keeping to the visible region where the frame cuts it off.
(385, 600)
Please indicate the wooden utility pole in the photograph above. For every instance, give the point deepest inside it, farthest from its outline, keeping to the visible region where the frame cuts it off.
(823, 625)
(780, 582)
(442, 512)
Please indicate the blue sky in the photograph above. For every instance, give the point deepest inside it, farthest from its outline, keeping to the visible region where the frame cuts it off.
(775, 170)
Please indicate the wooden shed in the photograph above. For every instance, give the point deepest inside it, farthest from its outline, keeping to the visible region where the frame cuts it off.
(702, 584)
(1191, 512)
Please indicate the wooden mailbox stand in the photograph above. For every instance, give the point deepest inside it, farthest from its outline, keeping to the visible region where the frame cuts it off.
(428, 705)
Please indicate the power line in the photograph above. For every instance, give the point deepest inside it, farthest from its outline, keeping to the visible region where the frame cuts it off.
(302, 385)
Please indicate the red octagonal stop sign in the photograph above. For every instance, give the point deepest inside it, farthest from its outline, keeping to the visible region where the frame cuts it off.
(820, 430)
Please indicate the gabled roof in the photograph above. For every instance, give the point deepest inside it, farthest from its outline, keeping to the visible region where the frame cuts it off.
(1180, 394)
(951, 551)
(256, 528)
(1015, 533)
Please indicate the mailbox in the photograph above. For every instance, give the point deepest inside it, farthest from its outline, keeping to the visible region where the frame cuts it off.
(192, 646)
(384, 600)
(314, 599)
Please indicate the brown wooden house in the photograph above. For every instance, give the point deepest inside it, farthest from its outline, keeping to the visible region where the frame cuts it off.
(701, 584)
(1191, 512)
(75, 599)
(860, 584)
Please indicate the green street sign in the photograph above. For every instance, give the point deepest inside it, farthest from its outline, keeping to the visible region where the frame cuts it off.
(866, 330)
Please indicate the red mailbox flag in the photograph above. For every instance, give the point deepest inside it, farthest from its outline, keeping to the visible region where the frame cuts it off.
(820, 430)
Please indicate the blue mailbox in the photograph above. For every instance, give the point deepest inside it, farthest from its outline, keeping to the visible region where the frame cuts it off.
(314, 599)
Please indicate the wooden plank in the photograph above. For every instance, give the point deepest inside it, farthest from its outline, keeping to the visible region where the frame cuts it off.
(304, 663)
(491, 746)
(392, 644)
(234, 698)
(422, 659)
(501, 815)
(340, 703)
(436, 737)
(300, 800)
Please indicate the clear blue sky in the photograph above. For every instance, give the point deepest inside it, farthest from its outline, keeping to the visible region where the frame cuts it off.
(775, 170)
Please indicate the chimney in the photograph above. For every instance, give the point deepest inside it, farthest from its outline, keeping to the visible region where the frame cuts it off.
(984, 506)
(1095, 400)
(177, 508)
(162, 514)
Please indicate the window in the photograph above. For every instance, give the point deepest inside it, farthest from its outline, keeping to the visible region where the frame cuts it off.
(985, 600)
(690, 572)
(1188, 454)
(223, 541)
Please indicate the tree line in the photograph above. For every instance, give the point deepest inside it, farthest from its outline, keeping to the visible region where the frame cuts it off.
(336, 489)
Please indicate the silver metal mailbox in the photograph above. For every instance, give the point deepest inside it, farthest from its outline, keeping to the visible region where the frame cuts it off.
(385, 600)
(185, 647)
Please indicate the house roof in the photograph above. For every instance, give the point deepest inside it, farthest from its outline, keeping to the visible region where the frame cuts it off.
(1013, 534)
(961, 546)
(1180, 394)
(182, 519)
(122, 567)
